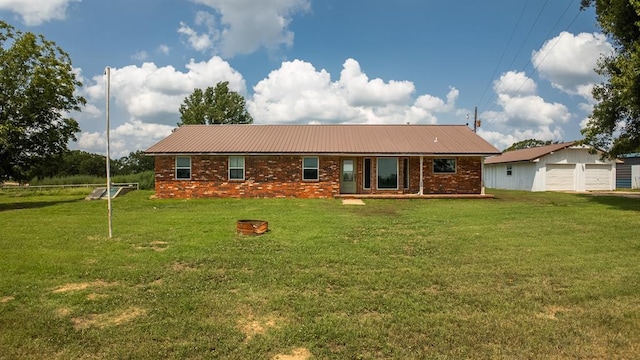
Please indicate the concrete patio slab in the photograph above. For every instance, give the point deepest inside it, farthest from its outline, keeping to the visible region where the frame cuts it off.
(352, 202)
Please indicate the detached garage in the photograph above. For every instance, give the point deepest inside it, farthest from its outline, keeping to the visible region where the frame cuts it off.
(558, 167)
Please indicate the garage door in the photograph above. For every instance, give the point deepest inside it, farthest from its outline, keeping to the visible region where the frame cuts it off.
(561, 177)
(597, 177)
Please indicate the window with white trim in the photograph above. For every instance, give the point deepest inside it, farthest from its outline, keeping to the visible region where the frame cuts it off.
(444, 166)
(183, 168)
(509, 170)
(236, 167)
(310, 168)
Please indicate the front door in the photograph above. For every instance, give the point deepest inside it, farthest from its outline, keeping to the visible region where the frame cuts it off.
(348, 176)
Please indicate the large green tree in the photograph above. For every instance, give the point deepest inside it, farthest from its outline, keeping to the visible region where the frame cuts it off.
(136, 162)
(528, 144)
(37, 93)
(614, 125)
(214, 106)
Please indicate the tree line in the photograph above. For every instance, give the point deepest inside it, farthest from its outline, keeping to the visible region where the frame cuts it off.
(78, 162)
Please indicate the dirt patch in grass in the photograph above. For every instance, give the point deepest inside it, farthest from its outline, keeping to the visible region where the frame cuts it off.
(82, 286)
(63, 312)
(296, 354)
(251, 326)
(6, 299)
(105, 320)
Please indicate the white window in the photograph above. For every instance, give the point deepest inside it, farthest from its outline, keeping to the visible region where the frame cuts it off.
(387, 173)
(310, 168)
(236, 167)
(509, 170)
(444, 166)
(183, 168)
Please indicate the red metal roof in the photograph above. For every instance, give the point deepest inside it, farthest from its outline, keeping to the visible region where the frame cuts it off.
(527, 154)
(323, 139)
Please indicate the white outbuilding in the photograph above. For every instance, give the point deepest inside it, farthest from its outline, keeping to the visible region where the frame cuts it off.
(557, 167)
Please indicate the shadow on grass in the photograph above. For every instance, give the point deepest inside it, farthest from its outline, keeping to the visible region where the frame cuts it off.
(622, 202)
(19, 205)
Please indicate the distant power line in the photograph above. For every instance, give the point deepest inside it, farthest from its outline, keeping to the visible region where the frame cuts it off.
(495, 70)
(494, 96)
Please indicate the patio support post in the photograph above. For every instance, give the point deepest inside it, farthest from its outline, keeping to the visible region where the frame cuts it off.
(482, 176)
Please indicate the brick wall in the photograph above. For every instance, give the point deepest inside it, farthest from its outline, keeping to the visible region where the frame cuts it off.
(265, 176)
(281, 176)
(466, 180)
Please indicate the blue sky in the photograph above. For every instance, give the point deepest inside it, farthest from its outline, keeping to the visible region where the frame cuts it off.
(526, 65)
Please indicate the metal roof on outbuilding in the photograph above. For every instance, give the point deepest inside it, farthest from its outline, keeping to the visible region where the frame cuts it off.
(324, 139)
(527, 154)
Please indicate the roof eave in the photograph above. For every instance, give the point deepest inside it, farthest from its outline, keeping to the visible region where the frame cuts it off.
(360, 154)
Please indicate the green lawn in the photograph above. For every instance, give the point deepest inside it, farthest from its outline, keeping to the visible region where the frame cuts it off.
(525, 275)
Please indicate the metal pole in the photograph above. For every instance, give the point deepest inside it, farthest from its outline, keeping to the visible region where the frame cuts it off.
(108, 84)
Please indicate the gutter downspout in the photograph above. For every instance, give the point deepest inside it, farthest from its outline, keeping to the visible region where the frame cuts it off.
(421, 192)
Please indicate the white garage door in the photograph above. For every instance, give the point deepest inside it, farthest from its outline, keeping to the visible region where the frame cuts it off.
(561, 177)
(597, 177)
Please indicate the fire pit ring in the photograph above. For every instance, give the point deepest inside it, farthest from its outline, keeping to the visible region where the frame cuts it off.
(251, 227)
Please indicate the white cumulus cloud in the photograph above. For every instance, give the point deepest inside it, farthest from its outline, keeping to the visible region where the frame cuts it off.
(153, 93)
(432, 103)
(298, 93)
(244, 26)
(523, 113)
(201, 41)
(36, 12)
(125, 138)
(531, 111)
(568, 61)
(515, 83)
(144, 102)
(359, 90)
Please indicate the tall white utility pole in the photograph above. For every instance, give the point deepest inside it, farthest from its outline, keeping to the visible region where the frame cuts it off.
(108, 84)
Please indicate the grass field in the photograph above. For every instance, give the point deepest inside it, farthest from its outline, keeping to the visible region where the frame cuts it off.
(525, 275)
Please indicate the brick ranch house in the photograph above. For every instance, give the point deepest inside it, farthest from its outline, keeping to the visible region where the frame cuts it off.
(319, 161)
